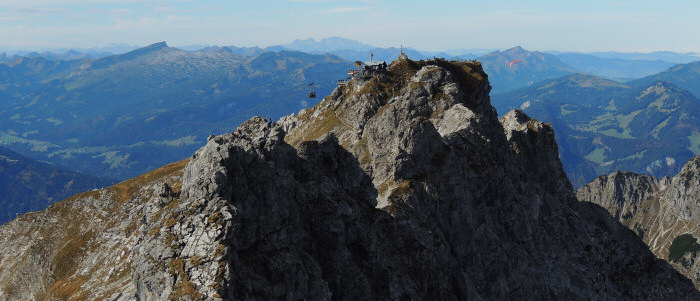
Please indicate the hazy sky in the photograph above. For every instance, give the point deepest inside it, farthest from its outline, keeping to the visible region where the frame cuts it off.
(590, 25)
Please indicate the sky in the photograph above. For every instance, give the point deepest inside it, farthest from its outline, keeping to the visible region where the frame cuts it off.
(585, 26)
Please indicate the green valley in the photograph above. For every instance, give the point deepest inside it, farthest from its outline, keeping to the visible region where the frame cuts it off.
(603, 126)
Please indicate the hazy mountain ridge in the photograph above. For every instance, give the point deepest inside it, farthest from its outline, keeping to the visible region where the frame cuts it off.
(669, 56)
(327, 45)
(614, 68)
(615, 65)
(355, 51)
(71, 54)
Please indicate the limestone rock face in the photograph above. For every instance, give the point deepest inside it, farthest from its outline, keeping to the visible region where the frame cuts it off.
(659, 211)
(621, 193)
(91, 245)
(405, 186)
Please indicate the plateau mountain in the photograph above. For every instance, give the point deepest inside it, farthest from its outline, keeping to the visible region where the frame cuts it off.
(405, 185)
(664, 213)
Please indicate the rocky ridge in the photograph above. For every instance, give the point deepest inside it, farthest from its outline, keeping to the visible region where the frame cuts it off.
(403, 186)
(661, 212)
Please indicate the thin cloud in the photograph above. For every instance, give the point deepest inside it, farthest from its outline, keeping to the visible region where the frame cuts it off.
(38, 11)
(82, 3)
(331, 1)
(164, 9)
(121, 12)
(340, 10)
(309, 1)
(148, 22)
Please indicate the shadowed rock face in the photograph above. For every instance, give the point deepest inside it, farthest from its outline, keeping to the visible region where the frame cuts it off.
(404, 186)
(659, 211)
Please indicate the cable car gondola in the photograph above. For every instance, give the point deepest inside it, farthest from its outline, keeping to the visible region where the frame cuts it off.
(312, 93)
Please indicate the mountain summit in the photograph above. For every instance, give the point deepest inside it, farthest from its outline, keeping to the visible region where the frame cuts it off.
(404, 185)
(527, 68)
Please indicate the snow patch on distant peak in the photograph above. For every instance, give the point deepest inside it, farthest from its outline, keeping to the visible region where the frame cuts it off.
(525, 105)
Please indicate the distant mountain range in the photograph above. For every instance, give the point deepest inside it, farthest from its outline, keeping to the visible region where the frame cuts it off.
(122, 115)
(73, 53)
(612, 65)
(355, 51)
(669, 56)
(614, 68)
(327, 45)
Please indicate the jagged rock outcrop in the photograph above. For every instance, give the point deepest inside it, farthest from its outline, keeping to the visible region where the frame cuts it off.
(405, 186)
(662, 212)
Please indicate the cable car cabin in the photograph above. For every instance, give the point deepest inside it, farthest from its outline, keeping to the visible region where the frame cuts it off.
(312, 93)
